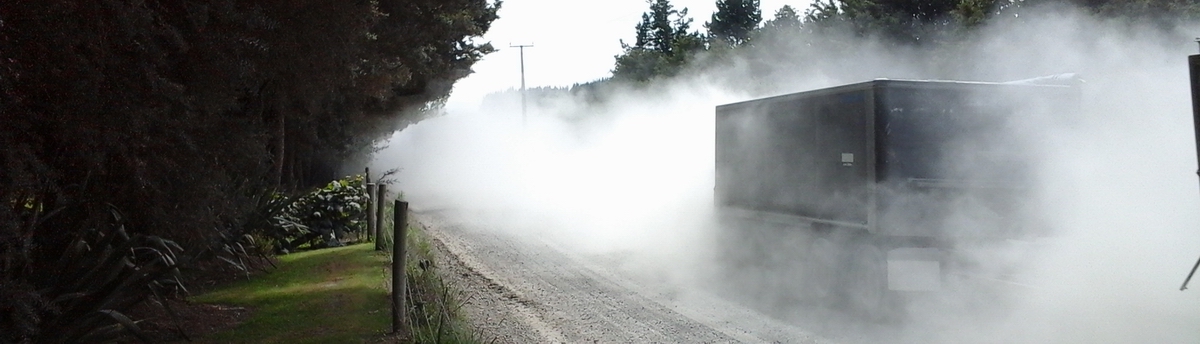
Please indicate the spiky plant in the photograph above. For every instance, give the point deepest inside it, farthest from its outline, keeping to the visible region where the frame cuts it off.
(78, 290)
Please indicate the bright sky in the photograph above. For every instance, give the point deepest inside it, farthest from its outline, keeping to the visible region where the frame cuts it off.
(574, 41)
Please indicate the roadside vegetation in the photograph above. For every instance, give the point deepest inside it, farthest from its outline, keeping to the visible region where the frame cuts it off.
(341, 295)
(144, 144)
(435, 307)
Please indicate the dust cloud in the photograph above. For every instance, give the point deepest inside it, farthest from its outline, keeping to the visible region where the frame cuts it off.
(634, 175)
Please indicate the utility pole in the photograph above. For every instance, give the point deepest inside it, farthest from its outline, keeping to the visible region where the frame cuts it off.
(1194, 73)
(522, 48)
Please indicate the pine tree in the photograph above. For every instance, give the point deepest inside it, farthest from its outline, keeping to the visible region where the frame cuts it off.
(659, 23)
(734, 20)
(786, 18)
(663, 44)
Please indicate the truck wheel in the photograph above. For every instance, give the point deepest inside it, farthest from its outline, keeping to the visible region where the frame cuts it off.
(867, 290)
(821, 265)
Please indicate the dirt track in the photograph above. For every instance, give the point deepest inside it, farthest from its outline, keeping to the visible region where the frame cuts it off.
(526, 289)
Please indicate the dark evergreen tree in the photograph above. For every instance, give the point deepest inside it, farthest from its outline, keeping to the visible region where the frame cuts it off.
(821, 12)
(916, 22)
(1160, 11)
(786, 26)
(663, 44)
(786, 21)
(734, 21)
(662, 26)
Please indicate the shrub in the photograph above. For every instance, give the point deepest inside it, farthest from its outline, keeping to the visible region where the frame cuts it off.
(76, 292)
(324, 217)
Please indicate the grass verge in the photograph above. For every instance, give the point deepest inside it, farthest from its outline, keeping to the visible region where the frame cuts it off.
(320, 296)
(341, 295)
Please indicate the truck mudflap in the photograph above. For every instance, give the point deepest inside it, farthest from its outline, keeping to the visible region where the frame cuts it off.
(914, 269)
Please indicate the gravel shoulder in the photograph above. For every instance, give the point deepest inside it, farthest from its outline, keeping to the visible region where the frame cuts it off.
(523, 289)
(498, 314)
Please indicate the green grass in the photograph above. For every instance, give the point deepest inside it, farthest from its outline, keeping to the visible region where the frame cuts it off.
(340, 295)
(335, 295)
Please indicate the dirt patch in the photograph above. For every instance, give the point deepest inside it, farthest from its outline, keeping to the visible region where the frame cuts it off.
(214, 273)
(196, 319)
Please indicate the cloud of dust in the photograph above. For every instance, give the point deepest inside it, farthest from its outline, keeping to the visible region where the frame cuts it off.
(635, 178)
(635, 174)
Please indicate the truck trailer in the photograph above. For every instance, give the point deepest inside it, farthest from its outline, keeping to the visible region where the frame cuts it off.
(890, 183)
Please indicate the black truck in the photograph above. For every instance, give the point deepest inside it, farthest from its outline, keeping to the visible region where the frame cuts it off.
(888, 182)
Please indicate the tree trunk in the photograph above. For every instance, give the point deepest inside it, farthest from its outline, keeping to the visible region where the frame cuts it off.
(277, 152)
(273, 117)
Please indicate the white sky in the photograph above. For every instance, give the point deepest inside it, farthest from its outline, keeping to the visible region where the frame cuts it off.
(574, 41)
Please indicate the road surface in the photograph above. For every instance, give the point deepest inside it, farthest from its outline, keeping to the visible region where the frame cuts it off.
(522, 287)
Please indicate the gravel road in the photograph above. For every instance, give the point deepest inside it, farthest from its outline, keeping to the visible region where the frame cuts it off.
(528, 289)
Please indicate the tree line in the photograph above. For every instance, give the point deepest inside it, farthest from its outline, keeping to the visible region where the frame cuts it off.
(666, 43)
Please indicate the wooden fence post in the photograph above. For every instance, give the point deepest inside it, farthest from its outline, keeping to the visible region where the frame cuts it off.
(372, 220)
(370, 201)
(380, 206)
(399, 230)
